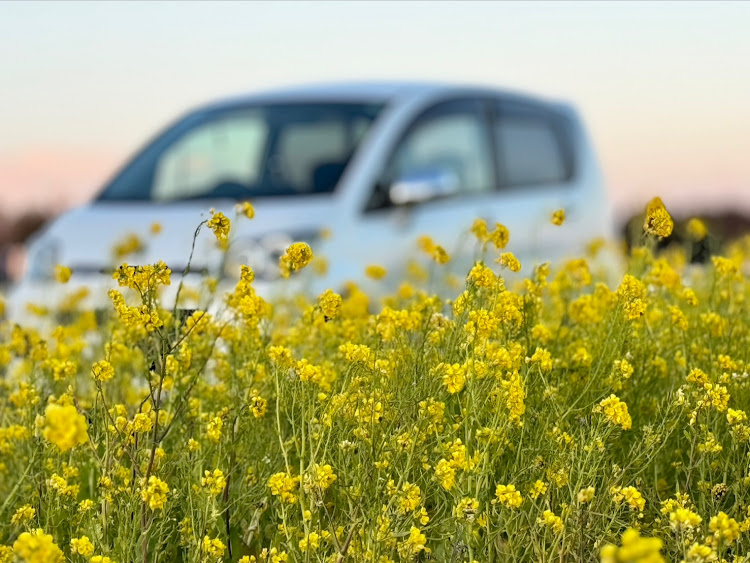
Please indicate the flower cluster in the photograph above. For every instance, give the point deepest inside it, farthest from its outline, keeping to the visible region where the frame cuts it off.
(555, 412)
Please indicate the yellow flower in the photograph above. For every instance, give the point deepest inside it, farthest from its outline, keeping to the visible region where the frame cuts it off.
(508, 260)
(479, 230)
(507, 495)
(481, 276)
(64, 427)
(679, 320)
(550, 520)
(439, 255)
(409, 498)
(630, 495)
(658, 221)
(375, 272)
(329, 303)
(696, 229)
(635, 549)
(142, 422)
(500, 236)
(212, 548)
(102, 371)
(615, 411)
(585, 495)
(466, 509)
(725, 529)
(736, 416)
(413, 545)
(258, 405)
(246, 209)
(214, 481)
(684, 519)
(537, 489)
(37, 547)
(82, 546)
(219, 224)
(130, 244)
(622, 369)
(311, 542)
(558, 217)
(632, 294)
(453, 376)
(283, 486)
(542, 358)
(318, 478)
(699, 553)
(724, 266)
(308, 372)
(213, 430)
(297, 256)
(445, 474)
(24, 514)
(62, 273)
(154, 494)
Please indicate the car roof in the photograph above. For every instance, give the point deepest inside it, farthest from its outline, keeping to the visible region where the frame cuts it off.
(365, 91)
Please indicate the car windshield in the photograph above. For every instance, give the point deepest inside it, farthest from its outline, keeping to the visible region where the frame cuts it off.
(247, 152)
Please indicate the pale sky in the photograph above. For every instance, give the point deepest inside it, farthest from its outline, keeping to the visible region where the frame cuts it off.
(663, 87)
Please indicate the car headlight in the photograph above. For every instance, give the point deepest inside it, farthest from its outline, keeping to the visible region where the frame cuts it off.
(262, 254)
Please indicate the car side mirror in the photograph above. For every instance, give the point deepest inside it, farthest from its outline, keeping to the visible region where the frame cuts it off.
(423, 185)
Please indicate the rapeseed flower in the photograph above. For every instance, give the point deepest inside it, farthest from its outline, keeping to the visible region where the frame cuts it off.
(634, 549)
(219, 224)
(154, 493)
(508, 260)
(64, 427)
(22, 515)
(213, 481)
(246, 209)
(550, 520)
(507, 495)
(658, 222)
(37, 547)
(102, 371)
(615, 411)
(284, 486)
(375, 272)
(684, 519)
(82, 546)
(297, 256)
(62, 273)
(724, 528)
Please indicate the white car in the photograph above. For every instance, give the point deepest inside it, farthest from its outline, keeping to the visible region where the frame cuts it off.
(375, 164)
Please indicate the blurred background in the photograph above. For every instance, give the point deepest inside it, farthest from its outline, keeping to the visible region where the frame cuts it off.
(663, 87)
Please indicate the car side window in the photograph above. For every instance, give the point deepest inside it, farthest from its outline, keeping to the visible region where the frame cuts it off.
(310, 153)
(227, 150)
(451, 138)
(530, 147)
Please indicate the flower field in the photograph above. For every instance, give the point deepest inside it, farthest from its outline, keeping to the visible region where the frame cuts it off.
(537, 414)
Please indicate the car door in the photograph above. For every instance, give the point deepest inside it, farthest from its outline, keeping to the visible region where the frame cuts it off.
(538, 172)
(449, 139)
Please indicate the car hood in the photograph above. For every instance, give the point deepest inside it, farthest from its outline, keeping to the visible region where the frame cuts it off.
(87, 238)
